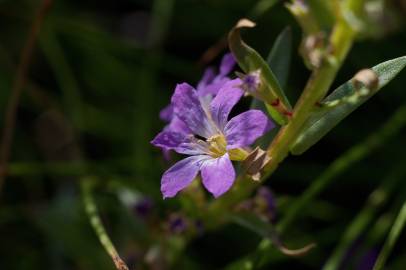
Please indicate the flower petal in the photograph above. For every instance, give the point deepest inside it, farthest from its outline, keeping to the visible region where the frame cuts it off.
(227, 64)
(213, 87)
(180, 175)
(166, 114)
(181, 143)
(218, 175)
(178, 125)
(168, 139)
(191, 147)
(243, 129)
(187, 107)
(207, 78)
(221, 105)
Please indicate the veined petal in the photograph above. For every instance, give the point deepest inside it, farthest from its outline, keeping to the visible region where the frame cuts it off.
(168, 139)
(207, 78)
(192, 147)
(213, 88)
(178, 125)
(218, 175)
(243, 129)
(180, 142)
(227, 64)
(187, 107)
(180, 175)
(221, 105)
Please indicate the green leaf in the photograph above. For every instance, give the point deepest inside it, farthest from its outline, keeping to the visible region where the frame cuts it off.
(261, 7)
(250, 61)
(279, 60)
(391, 239)
(252, 223)
(322, 121)
(268, 232)
(280, 55)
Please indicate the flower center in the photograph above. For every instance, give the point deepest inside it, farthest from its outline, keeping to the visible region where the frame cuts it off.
(217, 145)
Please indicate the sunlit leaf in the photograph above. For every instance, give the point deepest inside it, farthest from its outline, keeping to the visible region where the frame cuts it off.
(250, 61)
(321, 122)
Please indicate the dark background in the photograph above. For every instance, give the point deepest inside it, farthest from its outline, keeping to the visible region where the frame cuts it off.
(102, 70)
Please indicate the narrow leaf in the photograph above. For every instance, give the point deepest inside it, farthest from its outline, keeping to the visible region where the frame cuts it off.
(250, 61)
(392, 237)
(280, 55)
(376, 200)
(261, 7)
(321, 122)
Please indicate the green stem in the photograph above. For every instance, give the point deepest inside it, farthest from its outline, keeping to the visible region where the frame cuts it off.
(97, 225)
(341, 40)
(317, 87)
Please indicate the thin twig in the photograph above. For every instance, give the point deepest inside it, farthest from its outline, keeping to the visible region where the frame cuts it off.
(94, 218)
(19, 82)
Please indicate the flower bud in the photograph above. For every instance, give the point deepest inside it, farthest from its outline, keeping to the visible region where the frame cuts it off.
(254, 163)
(366, 78)
(251, 83)
(143, 207)
(177, 224)
(313, 50)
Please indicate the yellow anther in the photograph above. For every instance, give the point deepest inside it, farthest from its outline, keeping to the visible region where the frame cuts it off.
(217, 145)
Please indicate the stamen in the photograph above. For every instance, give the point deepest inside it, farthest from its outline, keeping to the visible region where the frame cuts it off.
(217, 145)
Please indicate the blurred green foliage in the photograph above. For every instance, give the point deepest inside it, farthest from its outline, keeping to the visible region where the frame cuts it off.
(101, 72)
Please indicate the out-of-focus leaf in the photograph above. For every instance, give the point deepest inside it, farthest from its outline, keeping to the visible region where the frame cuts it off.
(392, 237)
(280, 55)
(265, 229)
(253, 223)
(69, 237)
(261, 7)
(376, 200)
(279, 61)
(63, 74)
(321, 122)
(250, 61)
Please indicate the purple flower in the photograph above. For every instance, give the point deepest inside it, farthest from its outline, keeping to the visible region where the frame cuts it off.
(251, 82)
(211, 83)
(208, 86)
(177, 224)
(266, 203)
(212, 141)
(143, 207)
